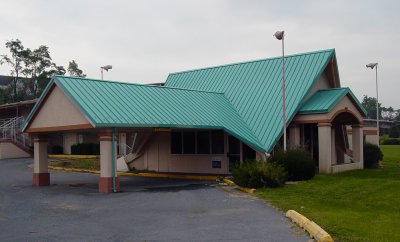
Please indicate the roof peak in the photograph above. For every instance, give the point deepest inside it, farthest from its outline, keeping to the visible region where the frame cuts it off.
(133, 84)
(252, 61)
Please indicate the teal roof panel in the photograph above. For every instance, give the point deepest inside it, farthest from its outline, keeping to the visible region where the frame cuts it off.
(323, 101)
(254, 88)
(116, 104)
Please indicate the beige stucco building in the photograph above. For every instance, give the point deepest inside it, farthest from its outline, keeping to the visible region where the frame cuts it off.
(205, 121)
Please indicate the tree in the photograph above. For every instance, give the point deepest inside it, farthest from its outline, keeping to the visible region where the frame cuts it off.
(389, 113)
(74, 70)
(369, 104)
(37, 67)
(17, 52)
(44, 78)
(37, 63)
(394, 131)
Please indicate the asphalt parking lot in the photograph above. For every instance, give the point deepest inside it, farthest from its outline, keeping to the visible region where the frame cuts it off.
(147, 209)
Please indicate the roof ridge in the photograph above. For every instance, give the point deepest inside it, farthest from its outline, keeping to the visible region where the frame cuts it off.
(334, 88)
(135, 84)
(252, 61)
(242, 119)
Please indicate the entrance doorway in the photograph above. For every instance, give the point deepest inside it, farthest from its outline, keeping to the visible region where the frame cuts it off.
(237, 152)
(233, 152)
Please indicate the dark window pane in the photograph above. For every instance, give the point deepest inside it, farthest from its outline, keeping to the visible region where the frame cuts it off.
(176, 143)
(189, 142)
(203, 142)
(217, 141)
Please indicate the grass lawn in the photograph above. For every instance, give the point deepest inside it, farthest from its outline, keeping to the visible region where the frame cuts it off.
(361, 205)
(89, 164)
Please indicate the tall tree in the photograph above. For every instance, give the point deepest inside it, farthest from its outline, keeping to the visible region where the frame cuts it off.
(18, 53)
(74, 70)
(45, 77)
(369, 104)
(37, 62)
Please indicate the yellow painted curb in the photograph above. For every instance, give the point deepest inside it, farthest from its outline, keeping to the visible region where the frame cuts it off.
(74, 156)
(229, 182)
(312, 228)
(56, 168)
(142, 174)
(243, 189)
(171, 176)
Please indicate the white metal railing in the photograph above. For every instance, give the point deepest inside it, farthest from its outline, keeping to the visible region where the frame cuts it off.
(9, 129)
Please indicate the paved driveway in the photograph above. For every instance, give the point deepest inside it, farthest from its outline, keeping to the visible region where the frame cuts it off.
(148, 209)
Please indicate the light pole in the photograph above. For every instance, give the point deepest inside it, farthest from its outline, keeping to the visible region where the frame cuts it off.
(372, 66)
(280, 35)
(107, 67)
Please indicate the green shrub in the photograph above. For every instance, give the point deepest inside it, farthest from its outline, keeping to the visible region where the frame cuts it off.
(298, 164)
(372, 155)
(394, 131)
(256, 174)
(56, 149)
(391, 142)
(85, 149)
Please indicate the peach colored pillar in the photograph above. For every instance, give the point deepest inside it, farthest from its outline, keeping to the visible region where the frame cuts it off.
(41, 176)
(325, 147)
(357, 142)
(105, 179)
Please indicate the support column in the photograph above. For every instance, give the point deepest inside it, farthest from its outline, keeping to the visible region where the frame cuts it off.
(122, 143)
(333, 146)
(358, 144)
(41, 176)
(325, 147)
(105, 179)
(294, 136)
(70, 139)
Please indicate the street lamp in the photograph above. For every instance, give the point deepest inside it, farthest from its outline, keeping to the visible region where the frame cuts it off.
(280, 35)
(107, 67)
(372, 66)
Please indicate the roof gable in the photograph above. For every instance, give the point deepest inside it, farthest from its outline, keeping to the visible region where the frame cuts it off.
(323, 101)
(254, 88)
(57, 113)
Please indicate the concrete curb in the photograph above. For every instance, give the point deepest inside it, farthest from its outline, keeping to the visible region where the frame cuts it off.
(243, 189)
(73, 156)
(312, 228)
(142, 174)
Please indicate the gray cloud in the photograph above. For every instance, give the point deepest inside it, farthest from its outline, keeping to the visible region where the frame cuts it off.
(146, 40)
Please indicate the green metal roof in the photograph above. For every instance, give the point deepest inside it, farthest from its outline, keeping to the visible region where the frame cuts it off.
(244, 98)
(323, 101)
(254, 88)
(116, 104)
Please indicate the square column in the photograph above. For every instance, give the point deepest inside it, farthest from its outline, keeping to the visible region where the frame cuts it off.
(325, 147)
(294, 136)
(41, 176)
(358, 144)
(105, 179)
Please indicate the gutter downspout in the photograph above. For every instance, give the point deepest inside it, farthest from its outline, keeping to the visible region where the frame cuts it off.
(113, 160)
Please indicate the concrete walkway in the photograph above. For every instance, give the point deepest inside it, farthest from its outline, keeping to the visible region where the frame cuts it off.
(148, 209)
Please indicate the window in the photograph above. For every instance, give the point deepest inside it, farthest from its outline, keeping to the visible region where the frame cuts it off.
(203, 142)
(189, 142)
(217, 142)
(176, 143)
(200, 142)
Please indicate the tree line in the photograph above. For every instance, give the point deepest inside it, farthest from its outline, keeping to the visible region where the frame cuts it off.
(385, 113)
(30, 71)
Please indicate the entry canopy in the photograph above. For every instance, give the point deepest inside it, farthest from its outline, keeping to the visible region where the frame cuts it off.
(323, 101)
(244, 98)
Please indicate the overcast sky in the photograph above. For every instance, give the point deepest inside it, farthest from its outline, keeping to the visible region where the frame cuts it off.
(146, 40)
